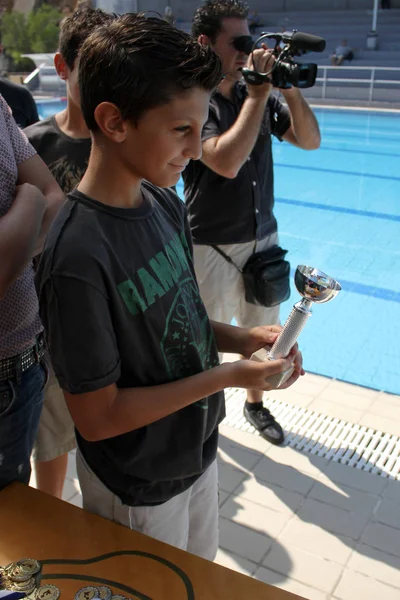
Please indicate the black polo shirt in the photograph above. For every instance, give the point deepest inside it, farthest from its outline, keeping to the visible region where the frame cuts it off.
(234, 211)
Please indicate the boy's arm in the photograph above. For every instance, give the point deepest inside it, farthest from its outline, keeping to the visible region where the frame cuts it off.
(112, 411)
(35, 172)
(230, 338)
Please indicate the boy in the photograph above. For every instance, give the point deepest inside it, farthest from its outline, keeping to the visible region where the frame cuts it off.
(63, 142)
(130, 341)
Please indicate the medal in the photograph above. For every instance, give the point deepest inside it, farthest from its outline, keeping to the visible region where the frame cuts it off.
(17, 574)
(29, 565)
(27, 586)
(104, 593)
(87, 593)
(47, 592)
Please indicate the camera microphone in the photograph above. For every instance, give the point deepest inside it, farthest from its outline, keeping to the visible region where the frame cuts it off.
(307, 42)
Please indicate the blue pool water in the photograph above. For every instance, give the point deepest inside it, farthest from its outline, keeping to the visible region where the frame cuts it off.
(48, 106)
(338, 209)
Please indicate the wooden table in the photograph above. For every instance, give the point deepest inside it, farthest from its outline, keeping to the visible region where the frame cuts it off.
(79, 549)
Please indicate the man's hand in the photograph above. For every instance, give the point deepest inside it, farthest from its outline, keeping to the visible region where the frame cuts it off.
(261, 60)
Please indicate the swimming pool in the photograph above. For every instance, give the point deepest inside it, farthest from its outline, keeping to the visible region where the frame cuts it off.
(338, 209)
(48, 106)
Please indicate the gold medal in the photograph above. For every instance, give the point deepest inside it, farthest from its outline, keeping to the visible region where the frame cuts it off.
(23, 586)
(87, 593)
(18, 574)
(105, 593)
(29, 565)
(8, 568)
(47, 592)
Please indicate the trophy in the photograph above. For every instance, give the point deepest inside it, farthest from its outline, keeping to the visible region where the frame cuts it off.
(314, 286)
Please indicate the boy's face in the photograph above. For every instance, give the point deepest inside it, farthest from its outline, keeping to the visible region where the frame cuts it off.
(232, 60)
(160, 145)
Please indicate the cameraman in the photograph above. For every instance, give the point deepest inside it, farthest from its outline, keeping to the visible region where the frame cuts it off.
(229, 193)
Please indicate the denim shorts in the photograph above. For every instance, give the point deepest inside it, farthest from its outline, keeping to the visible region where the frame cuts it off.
(20, 407)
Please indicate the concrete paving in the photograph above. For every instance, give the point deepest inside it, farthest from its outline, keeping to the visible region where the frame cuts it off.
(320, 529)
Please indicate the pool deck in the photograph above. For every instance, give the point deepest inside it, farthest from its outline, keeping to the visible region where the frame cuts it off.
(317, 528)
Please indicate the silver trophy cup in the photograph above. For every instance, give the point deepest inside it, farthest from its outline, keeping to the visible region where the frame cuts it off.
(315, 287)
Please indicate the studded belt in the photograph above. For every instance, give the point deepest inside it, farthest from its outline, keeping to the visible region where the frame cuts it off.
(13, 367)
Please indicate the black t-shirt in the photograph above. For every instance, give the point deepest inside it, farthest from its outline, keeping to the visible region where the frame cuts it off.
(120, 304)
(21, 102)
(66, 157)
(230, 211)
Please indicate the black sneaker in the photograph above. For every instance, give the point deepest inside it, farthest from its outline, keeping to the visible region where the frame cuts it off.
(265, 423)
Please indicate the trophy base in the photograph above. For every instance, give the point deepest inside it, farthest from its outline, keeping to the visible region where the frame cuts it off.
(274, 380)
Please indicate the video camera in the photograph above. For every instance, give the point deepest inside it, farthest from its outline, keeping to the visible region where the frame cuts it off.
(285, 72)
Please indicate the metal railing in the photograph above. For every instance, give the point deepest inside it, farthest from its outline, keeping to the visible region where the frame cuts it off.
(371, 81)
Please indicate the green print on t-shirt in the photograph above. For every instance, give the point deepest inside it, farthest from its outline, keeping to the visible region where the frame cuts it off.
(187, 328)
(167, 266)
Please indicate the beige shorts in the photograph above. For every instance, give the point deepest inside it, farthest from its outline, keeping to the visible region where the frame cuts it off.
(222, 288)
(56, 434)
(188, 521)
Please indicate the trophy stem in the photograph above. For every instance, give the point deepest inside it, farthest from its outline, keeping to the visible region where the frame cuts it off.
(295, 322)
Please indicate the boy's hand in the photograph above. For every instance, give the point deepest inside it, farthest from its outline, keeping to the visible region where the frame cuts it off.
(258, 337)
(254, 375)
(264, 336)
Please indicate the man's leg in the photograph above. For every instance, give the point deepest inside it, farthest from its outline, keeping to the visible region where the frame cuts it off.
(168, 522)
(222, 291)
(219, 282)
(20, 407)
(55, 438)
(251, 315)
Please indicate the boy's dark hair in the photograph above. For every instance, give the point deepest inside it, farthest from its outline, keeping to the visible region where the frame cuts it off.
(74, 30)
(207, 19)
(139, 63)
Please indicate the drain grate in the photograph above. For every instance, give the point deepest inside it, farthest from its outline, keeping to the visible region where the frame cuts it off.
(329, 437)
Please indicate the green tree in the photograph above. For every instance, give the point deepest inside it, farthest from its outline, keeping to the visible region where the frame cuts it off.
(34, 33)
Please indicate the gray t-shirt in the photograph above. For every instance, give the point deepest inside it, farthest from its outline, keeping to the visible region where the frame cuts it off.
(19, 311)
(66, 157)
(120, 304)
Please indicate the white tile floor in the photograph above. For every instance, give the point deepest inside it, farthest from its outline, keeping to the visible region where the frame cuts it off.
(319, 529)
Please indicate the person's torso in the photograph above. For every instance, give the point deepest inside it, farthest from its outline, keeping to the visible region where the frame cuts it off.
(227, 211)
(163, 334)
(19, 101)
(66, 157)
(19, 316)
